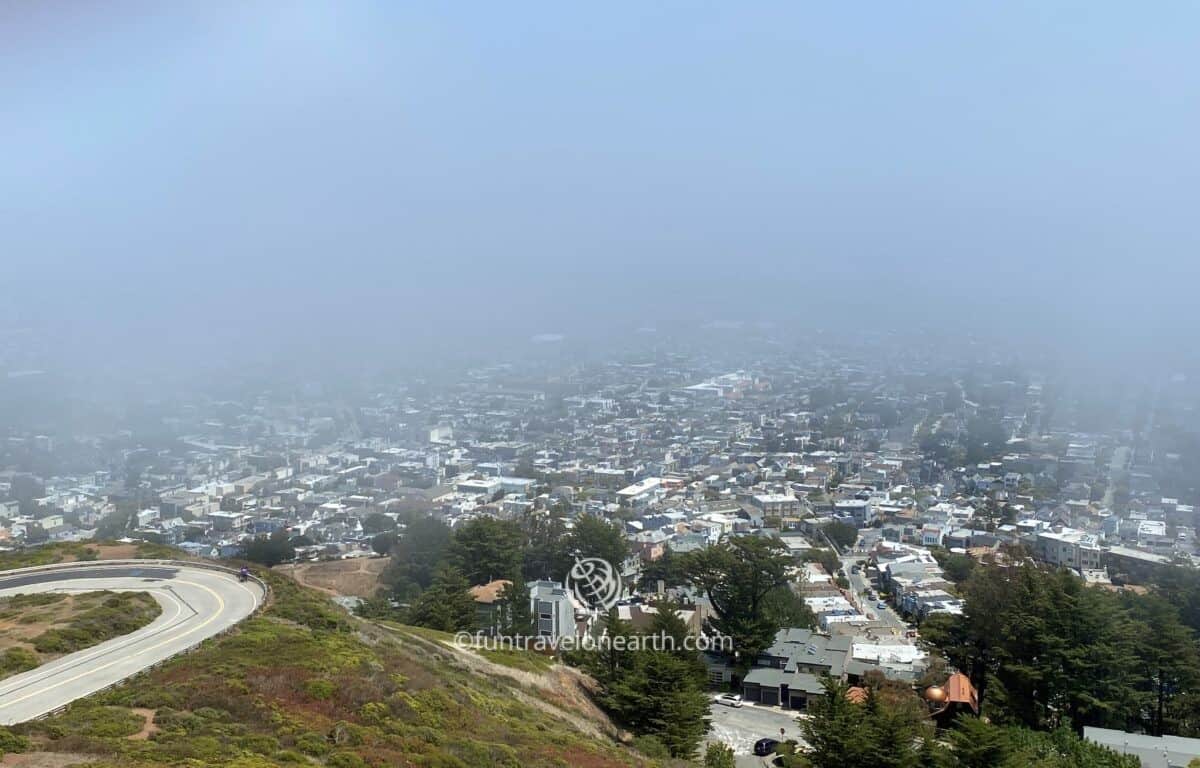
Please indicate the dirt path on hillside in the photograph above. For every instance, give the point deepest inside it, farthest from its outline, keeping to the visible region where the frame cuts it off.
(148, 726)
(356, 577)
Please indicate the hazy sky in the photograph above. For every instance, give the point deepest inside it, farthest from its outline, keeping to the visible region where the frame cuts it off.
(232, 179)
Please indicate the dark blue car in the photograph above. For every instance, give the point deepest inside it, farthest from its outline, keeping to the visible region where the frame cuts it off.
(764, 747)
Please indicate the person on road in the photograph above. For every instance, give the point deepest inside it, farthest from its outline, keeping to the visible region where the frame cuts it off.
(244, 573)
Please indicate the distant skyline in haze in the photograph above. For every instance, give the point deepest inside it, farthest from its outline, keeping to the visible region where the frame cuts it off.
(204, 183)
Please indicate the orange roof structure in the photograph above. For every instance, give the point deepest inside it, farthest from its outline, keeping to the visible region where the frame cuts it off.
(490, 592)
(960, 691)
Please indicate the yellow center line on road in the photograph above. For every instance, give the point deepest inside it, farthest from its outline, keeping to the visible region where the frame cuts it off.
(102, 667)
(93, 652)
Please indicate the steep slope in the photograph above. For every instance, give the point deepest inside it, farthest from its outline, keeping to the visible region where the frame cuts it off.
(303, 683)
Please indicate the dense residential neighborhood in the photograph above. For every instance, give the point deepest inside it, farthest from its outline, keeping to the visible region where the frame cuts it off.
(882, 488)
(678, 455)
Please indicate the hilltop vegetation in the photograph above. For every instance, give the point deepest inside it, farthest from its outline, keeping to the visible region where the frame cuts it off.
(70, 552)
(304, 683)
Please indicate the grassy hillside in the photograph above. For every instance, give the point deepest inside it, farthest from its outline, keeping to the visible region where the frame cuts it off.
(304, 683)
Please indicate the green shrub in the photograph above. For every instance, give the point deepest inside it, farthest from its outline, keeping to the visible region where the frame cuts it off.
(312, 744)
(374, 712)
(260, 743)
(84, 719)
(208, 749)
(719, 756)
(16, 660)
(11, 742)
(290, 756)
(211, 713)
(346, 734)
(320, 689)
(651, 747)
(151, 551)
(250, 762)
(345, 760)
(303, 606)
(118, 614)
(33, 599)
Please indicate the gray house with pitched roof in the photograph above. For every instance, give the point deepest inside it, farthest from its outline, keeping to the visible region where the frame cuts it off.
(787, 674)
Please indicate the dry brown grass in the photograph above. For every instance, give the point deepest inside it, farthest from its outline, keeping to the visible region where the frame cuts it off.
(27, 623)
(357, 577)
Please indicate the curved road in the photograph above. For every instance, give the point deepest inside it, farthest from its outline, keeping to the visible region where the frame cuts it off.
(197, 603)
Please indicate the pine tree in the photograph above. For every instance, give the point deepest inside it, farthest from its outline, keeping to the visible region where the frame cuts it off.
(835, 729)
(976, 744)
(485, 549)
(736, 576)
(516, 615)
(674, 706)
(889, 730)
(652, 684)
(1167, 656)
(447, 605)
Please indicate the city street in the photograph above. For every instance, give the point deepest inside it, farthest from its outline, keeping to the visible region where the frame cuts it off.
(859, 584)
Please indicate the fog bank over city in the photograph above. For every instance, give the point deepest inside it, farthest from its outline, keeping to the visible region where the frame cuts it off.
(651, 384)
(324, 184)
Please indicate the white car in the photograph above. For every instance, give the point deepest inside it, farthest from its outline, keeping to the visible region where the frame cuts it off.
(728, 699)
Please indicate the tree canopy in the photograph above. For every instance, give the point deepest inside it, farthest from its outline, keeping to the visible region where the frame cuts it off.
(1045, 650)
(446, 605)
(593, 536)
(737, 575)
(269, 550)
(652, 690)
(485, 549)
(377, 522)
(890, 729)
(415, 555)
(843, 535)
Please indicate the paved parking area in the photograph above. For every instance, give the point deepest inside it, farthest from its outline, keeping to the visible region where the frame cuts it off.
(740, 727)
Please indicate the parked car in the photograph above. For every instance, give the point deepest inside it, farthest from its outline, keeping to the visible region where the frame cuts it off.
(881, 605)
(728, 699)
(764, 747)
